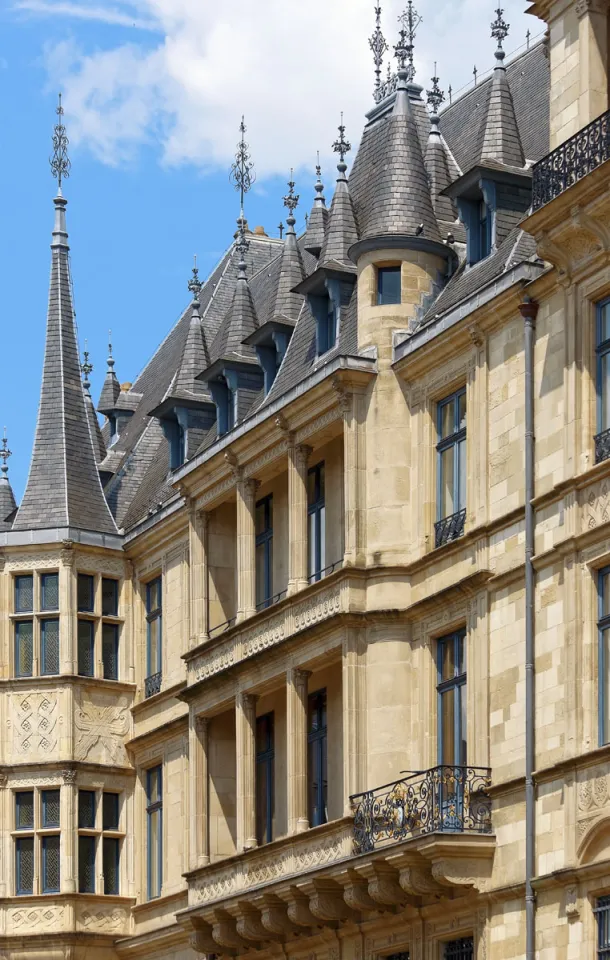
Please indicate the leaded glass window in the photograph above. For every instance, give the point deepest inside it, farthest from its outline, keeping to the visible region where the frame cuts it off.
(602, 915)
(110, 651)
(49, 647)
(84, 592)
(24, 648)
(110, 864)
(24, 866)
(86, 864)
(24, 594)
(85, 648)
(110, 597)
(50, 808)
(110, 812)
(24, 810)
(49, 591)
(50, 864)
(154, 814)
(86, 809)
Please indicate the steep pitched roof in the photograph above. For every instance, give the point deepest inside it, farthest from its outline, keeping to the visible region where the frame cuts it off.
(288, 304)
(318, 220)
(195, 358)
(99, 447)
(63, 488)
(501, 139)
(341, 229)
(8, 504)
(111, 388)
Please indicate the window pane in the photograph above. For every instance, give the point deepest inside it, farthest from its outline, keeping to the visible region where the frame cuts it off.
(154, 853)
(448, 506)
(604, 322)
(86, 864)
(153, 595)
(447, 659)
(110, 597)
(50, 864)
(50, 808)
(49, 589)
(85, 648)
(261, 579)
(447, 419)
(448, 726)
(462, 411)
(24, 810)
(605, 684)
(85, 593)
(311, 487)
(154, 646)
(461, 454)
(24, 648)
(49, 635)
(24, 865)
(388, 285)
(110, 865)
(110, 651)
(322, 535)
(110, 812)
(154, 785)
(86, 809)
(24, 594)
(460, 658)
(462, 745)
(312, 544)
(604, 586)
(604, 388)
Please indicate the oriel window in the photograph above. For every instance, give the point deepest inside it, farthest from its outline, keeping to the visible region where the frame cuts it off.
(265, 773)
(316, 516)
(451, 468)
(317, 758)
(36, 633)
(264, 552)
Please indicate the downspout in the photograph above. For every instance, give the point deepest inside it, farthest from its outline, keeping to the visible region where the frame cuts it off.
(529, 310)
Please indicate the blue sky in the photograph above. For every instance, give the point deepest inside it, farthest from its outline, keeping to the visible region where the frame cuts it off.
(154, 91)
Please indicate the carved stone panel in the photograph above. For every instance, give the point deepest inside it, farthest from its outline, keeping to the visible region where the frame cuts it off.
(97, 918)
(34, 723)
(101, 723)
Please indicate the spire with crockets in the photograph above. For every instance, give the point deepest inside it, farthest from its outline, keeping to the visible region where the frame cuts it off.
(7, 499)
(288, 304)
(63, 490)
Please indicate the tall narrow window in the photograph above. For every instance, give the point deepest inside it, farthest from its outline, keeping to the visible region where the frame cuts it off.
(84, 592)
(462, 949)
(111, 844)
(451, 454)
(484, 231)
(317, 758)
(451, 690)
(604, 655)
(50, 808)
(154, 815)
(265, 763)
(49, 647)
(110, 597)
(50, 842)
(110, 651)
(316, 510)
(49, 591)
(24, 594)
(388, 285)
(153, 637)
(24, 866)
(86, 658)
(602, 439)
(602, 915)
(264, 552)
(24, 648)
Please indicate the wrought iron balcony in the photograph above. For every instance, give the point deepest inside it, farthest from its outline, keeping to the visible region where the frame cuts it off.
(449, 528)
(152, 684)
(571, 161)
(444, 799)
(602, 446)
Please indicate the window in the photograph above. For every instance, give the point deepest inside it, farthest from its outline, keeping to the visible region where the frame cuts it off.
(49, 591)
(98, 840)
(602, 440)
(32, 834)
(24, 866)
(264, 552)
(604, 655)
(49, 647)
(50, 808)
(317, 774)
(316, 510)
(110, 651)
(154, 816)
(24, 648)
(153, 637)
(84, 593)
(388, 285)
(24, 594)
(602, 915)
(110, 597)
(451, 690)
(462, 949)
(451, 470)
(86, 661)
(484, 230)
(265, 763)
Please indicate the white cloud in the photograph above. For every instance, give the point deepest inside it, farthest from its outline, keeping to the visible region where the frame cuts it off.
(289, 66)
(78, 11)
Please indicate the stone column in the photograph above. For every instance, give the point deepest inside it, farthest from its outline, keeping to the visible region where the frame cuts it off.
(353, 695)
(592, 59)
(245, 730)
(296, 739)
(198, 535)
(198, 780)
(67, 611)
(246, 549)
(353, 406)
(5, 839)
(68, 840)
(297, 517)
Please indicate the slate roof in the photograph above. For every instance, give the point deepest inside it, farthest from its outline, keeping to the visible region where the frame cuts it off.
(341, 230)
(318, 219)
(8, 504)
(501, 139)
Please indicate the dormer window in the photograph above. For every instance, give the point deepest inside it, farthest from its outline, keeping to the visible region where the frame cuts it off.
(114, 436)
(388, 285)
(327, 328)
(484, 230)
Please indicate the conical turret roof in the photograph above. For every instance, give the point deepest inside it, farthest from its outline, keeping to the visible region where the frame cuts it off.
(8, 504)
(501, 138)
(111, 387)
(318, 219)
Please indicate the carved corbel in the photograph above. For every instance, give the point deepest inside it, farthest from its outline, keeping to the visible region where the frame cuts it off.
(572, 903)
(225, 933)
(417, 882)
(550, 252)
(383, 885)
(355, 892)
(283, 426)
(233, 463)
(299, 912)
(201, 938)
(344, 399)
(274, 916)
(249, 925)
(476, 335)
(325, 900)
(590, 225)
(462, 872)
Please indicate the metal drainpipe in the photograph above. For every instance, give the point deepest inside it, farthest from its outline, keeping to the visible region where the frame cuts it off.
(529, 310)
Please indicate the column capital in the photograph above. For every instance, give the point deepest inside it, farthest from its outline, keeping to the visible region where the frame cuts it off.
(69, 777)
(247, 701)
(3, 779)
(299, 678)
(302, 454)
(583, 7)
(67, 553)
(201, 724)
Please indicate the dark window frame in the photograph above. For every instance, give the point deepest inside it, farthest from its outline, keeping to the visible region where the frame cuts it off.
(386, 299)
(316, 508)
(18, 640)
(91, 642)
(317, 756)
(602, 386)
(44, 577)
(17, 588)
(45, 800)
(152, 615)
(601, 912)
(20, 845)
(115, 606)
(47, 839)
(451, 441)
(89, 580)
(265, 768)
(44, 653)
(153, 807)
(603, 630)
(265, 540)
(457, 683)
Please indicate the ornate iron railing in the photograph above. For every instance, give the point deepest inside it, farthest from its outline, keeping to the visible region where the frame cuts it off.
(270, 601)
(325, 572)
(602, 446)
(152, 684)
(571, 161)
(444, 799)
(221, 627)
(449, 528)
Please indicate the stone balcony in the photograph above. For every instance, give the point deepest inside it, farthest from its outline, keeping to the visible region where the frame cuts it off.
(571, 161)
(68, 914)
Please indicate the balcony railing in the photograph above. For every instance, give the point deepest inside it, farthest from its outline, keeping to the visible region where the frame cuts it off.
(449, 528)
(325, 572)
(152, 684)
(270, 601)
(444, 799)
(602, 446)
(571, 161)
(221, 627)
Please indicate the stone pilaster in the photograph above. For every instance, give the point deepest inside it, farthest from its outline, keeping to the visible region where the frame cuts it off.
(198, 535)
(68, 809)
(297, 517)
(353, 406)
(5, 815)
(354, 717)
(246, 548)
(198, 780)
(592, 58)
(245, 728)
(296, 724)
(67, 611)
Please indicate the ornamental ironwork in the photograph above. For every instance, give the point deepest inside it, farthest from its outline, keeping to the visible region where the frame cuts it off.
(500, 28)
(152, 685)
(242, 174)
(60, 161)
(449, 528)
(445, 799)
(341, 145)
(378, 45)
(5, 454)
(435, 96)
(194, 285)
(409, 21)
(571, 161)
(602, 446)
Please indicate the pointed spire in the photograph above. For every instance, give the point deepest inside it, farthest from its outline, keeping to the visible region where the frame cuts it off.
(288, 304)
(99, 447)
(341, 231)
(7, 499)
(379, 46)
(501, 139)
(318, 218)
(436, 159)
(111, 388)
(63, 488)
(195, 356)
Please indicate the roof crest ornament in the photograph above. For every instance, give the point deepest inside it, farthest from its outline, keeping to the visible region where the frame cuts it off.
(110, 360)
(341, 146)
(242, 174)
(409, 21)
(319, 186)
(499, 31)
(435, 97)
(60, 161)
(378, 45)
(291, 201)
(5, 453)
(194, 285)
(86, 369)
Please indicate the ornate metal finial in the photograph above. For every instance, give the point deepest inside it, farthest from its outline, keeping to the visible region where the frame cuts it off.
(435, 96)
(291, 201)
(194, 285)
(450, 92)
(5, 453)
(319, 187)
(110, 360)
(86, 369)
(306, 220)
(475, 74)
(527, 39)
(342, 146)
(60, 161)
(500, 28)
(242, 174)
(378, 45)
(409, 21)
(280, 227)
